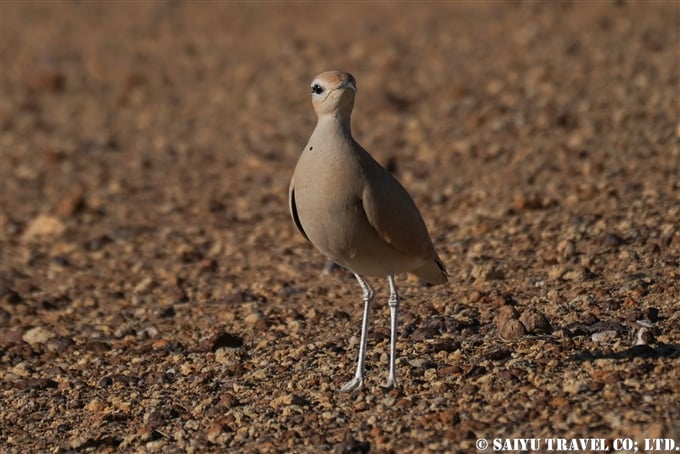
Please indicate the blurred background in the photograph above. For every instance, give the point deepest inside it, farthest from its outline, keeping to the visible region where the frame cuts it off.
(146, 149)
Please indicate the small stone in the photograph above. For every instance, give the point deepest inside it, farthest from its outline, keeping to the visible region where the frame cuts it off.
(535, 322)
(97, 243)
(567, 249)
(144, 285)
(352, 446)
(651, 314)
(657, 430)
(612, 240)
(504, 314)
(557, 272)
(256, 320)
(10, 336)
(581, 273)
(595, 386)
(225, 340)
(71, 202)
(498, 354)
(634, 315)
(512, 329)
(60, 344)
(474, 296)
(37, 335)
(46, 80)
(528, 202)
(286, 400)
(44, 226)
(228, 400)
(213, 433)
(486, 272)
(95, 405)
(11, 296)
(604, 336)
(449, 417)
(234, 297)
(644, 336)
(37, 383)
(160, 344)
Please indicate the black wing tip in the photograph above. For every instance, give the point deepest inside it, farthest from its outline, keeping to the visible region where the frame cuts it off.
(294, 213)
(442, 268)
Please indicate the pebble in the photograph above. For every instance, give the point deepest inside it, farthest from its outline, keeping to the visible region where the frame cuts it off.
(286, 400)
(512, 329)
(257, 320)
(144, 285)
(352, 446)
(535, 322)
(644, 336)
(37, 335)
(71, 203)
(46, 79)
(225, 340)
(567, 250)
(604, 336)
(44, 226)
(545, 168)
(505, 313)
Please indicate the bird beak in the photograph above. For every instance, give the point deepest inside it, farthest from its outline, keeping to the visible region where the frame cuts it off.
(349, 84)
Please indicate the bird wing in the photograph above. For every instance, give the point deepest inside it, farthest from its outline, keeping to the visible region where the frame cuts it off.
(394, 215)
(293, 209)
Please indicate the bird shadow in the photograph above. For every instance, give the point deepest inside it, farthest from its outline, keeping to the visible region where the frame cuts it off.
(660, 350)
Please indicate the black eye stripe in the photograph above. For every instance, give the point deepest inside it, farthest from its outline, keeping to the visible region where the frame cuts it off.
(317, 89)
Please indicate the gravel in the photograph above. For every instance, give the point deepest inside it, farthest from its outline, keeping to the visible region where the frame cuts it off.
(155, 295)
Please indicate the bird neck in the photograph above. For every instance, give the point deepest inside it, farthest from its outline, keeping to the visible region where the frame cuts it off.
(335, 123)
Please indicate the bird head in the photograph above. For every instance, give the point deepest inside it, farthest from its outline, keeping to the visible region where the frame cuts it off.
(333, 93)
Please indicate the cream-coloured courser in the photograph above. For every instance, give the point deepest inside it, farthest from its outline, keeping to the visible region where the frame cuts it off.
(355, 212)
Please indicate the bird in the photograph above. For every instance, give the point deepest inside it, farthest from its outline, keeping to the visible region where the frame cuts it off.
(357, 213)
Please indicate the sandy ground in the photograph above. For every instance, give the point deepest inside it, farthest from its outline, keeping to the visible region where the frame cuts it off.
(155, 295)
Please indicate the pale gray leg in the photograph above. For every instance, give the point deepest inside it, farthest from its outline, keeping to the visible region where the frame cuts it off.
(358, 381)
(393, 302)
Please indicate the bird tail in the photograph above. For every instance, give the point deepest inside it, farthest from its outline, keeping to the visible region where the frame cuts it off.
(433, 272)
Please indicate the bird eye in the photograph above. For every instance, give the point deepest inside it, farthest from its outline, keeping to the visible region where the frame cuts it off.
(317, 89)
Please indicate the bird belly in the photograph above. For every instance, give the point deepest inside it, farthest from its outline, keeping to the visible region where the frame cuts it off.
(339, 229)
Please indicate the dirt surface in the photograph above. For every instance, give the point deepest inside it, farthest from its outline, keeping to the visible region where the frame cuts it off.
(155, 294)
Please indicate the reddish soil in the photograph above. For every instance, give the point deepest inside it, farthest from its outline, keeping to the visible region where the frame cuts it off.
(155, 295)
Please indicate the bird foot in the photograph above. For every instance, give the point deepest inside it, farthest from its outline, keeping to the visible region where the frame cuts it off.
(354, 384)
(391, 383)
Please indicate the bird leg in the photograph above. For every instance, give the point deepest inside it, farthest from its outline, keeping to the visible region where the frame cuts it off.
(357, 382)
(393, 303)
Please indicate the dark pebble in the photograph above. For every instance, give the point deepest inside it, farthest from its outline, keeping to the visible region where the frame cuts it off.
(166, 312)
(46, 80)
(55, 302)
(97, 243)
(447, 346)
(226, 340)
(352, 446)
(606, 326)
(651, 314)
(634, 315)
(498, 354)
(161, 415)
(98, 346)
(36, 383)
(61, 261)
(12, 297)
(612, 240)
(341, 315)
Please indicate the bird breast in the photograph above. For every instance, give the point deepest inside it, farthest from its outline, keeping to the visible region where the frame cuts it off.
(329, 186)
